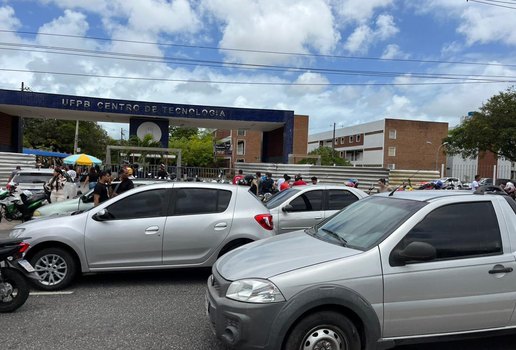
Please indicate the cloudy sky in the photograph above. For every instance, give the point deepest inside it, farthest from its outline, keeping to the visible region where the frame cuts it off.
(338, 61)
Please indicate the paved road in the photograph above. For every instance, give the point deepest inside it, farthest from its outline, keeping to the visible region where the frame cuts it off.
(152, 310)
(144, 310)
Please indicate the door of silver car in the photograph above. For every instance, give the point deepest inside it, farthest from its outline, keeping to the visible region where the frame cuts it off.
(130, 231)
(468, 285)
(199, 220)
(302, 211)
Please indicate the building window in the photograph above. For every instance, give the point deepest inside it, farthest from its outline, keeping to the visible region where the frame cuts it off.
(240, 147)
(392, 134)
(351, 139)
(240, 160)
(392, 151)
(321, 143)
(357, 138)
(240, 132)
(342, 140)
(341, 154)
(391, 166)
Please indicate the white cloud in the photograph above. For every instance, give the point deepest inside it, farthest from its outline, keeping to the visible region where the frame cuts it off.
(299, 26)
(360, 11)
(394, 51)
(364, 37)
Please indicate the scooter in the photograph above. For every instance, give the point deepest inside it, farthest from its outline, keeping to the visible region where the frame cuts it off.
(13, 208)
(14, 289)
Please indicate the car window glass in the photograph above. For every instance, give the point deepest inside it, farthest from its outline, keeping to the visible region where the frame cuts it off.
(31, 178)
(281, 197)
(145, 204)
(459, 231)
(190, 201)
(308, 201)
(338, 199)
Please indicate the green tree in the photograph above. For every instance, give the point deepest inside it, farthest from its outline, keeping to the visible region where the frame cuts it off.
(328, 157)
(59, 135)
(197, 149)
(492, 128)
(147, 141)
(177, 132)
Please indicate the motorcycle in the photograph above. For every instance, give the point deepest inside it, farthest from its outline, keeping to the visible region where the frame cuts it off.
(22, 208)
(14, 288)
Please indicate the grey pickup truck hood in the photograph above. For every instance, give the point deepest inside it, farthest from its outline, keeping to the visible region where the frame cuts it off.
(276, 255)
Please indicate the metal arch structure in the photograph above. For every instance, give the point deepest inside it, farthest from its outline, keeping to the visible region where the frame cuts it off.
(277, 126)
(177, 151)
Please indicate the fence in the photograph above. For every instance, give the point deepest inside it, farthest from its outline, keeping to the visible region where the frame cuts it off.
(9, 161)
(467, 172)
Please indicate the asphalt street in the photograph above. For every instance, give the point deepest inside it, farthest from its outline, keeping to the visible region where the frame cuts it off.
(140, 310)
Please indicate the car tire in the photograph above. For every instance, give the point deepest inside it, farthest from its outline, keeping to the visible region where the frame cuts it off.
(324, 330)
(55, 266)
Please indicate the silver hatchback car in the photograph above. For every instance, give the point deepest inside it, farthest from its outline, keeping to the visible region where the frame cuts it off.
(169, 225)
(301, 207)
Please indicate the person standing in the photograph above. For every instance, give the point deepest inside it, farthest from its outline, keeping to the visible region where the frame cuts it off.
(267, 184)
(56, 186)
(125, 183)
(314, 180)
(101, 191)
(92, 178)
(238, 177)
(285, 184)
(475, 185)
(298, 181)
(382, 186)
(13, 173)
(162, 173)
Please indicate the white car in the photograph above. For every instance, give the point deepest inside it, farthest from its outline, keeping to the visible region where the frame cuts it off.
(34, 179)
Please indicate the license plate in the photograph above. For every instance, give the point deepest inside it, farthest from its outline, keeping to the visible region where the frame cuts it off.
(26, 265)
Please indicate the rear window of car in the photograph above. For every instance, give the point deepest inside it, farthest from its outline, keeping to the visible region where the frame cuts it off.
(190, 201)
(31, 178)
(280, 197)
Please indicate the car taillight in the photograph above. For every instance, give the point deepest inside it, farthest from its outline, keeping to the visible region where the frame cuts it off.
(23, 247)
(265, 221)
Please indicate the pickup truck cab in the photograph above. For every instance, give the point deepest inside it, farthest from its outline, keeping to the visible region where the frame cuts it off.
(388, 269)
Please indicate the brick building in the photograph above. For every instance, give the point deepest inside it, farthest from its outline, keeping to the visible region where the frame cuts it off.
(245, 145)
(388, 143)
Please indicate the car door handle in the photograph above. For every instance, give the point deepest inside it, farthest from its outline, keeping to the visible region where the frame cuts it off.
(318, 218)
(152, 230)
(221, 226)
(500, 269)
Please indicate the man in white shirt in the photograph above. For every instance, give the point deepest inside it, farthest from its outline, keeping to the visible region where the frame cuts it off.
(475, 185)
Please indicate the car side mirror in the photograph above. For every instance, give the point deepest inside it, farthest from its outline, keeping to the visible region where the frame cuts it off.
(287, 208)
(415, 251)
(102, 215)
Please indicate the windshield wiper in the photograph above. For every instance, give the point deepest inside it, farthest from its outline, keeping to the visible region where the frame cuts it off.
(335, 235)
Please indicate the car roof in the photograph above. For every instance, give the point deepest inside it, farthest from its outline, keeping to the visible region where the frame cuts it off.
(36, 171)
(425, 195)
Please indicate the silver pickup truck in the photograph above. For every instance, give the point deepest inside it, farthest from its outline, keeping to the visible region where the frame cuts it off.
(388, 269)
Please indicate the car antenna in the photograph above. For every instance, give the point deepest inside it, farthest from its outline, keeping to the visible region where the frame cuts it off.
(404, 184)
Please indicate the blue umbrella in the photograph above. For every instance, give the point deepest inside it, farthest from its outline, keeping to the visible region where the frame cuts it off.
(82, 159)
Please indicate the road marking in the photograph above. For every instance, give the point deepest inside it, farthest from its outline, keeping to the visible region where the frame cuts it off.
(51, 293)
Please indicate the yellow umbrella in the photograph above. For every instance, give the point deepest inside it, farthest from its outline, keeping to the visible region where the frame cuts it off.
(82, 159)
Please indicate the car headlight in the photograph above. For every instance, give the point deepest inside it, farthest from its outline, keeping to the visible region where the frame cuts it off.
(17, 232)
(36, 213)
(254, 291)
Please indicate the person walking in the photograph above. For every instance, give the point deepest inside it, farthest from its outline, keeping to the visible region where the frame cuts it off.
(101, 191)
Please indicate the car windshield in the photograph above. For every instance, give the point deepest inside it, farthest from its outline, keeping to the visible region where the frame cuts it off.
(365, 223)
(33, 178)
(281, 197)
